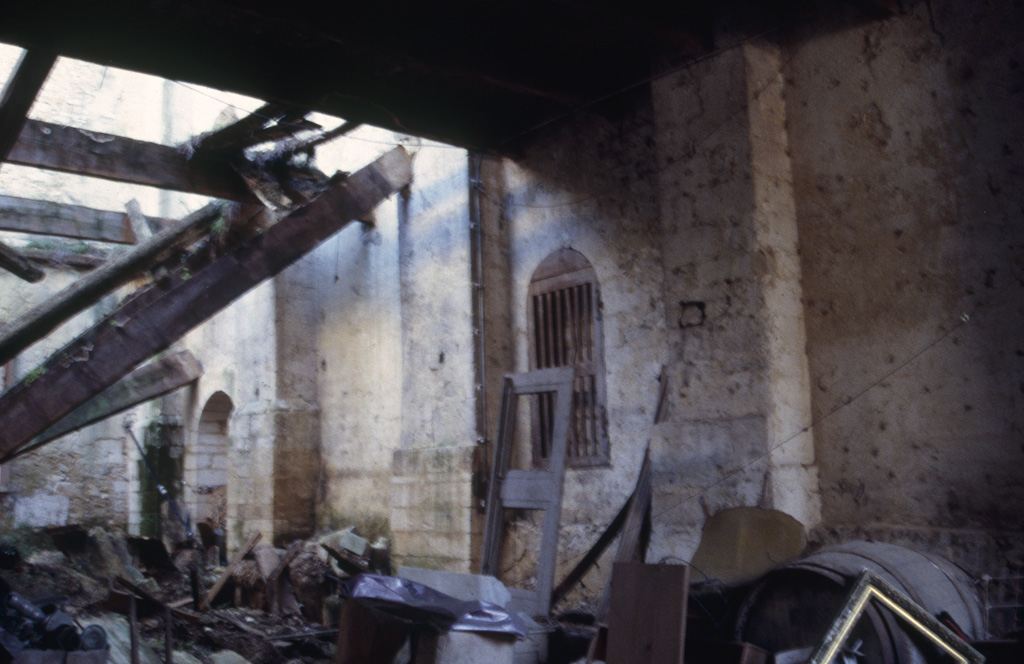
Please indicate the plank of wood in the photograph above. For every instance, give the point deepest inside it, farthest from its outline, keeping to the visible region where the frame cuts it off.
(16, 264)
(18, 94)
(235, 561)
(647, 618)
(274, 578)
(63, 258)
(147, 382)
(71, 150)
(24, 215)
(588, 560)
(632, 549)
(154, 601)
(44, 318)
(162, 313)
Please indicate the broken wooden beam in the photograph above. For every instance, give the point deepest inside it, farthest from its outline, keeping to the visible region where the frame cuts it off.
(16, 264)
(230, 569)
(18, 94)
(24, 215)
(160, 314)
(274, 578)
(82, 152)
(61, 257)
(39, 321)
(147, 382)
(236, 133)
(328, 136)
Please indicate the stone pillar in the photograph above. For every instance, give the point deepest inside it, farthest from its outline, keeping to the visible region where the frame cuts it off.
(431, 486)
(737, 403)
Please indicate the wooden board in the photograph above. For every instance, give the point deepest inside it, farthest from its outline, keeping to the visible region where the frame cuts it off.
(24, 215)
(147, 382)
(529, 489)
(71, 150)
(165, 311)
(647, 616)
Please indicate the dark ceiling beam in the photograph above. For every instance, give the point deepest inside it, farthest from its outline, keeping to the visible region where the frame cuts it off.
(18, 265)
(18, 94)
(158, 315)
(251, 130)
(42, 319)
(145, 383)
(24, 215)
(82, 152)
(878, 8)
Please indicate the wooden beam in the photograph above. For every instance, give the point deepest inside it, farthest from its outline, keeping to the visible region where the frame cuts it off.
(62, 258)
(17, 264)
(229, 137)
(162, 313)
(328, 136)
(25, 215)
(44, 318)
(230, 569)
(18, 94)
(71, 150)
(147, 382)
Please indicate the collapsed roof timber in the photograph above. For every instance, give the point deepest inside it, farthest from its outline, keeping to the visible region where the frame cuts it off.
(770, 257)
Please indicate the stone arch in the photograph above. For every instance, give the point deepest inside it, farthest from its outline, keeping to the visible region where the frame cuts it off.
(206, 463)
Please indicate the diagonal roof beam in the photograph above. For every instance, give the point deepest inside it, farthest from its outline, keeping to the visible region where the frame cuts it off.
(14, 262)
(39, 321)
(20, 91)
(82, 152)
(162, 313)
(236, 133)
(147, 382)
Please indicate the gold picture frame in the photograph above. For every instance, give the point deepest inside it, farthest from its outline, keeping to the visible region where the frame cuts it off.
(871, 586)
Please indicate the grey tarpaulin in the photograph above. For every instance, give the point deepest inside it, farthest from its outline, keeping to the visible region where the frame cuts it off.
(419, 603)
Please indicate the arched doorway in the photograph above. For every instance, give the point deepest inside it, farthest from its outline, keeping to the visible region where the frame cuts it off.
(206, 464)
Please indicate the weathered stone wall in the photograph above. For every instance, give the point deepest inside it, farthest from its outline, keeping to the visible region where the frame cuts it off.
(431, 514)
(588, 186)
(734, 429)
(907, 152)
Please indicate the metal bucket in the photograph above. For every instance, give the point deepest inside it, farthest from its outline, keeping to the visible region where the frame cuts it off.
(793, 605)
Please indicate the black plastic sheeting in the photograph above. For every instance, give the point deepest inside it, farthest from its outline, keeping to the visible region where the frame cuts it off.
(418, 603)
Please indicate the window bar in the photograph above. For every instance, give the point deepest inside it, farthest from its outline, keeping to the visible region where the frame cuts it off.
(573, 358)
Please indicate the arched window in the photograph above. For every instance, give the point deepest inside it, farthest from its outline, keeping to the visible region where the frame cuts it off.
(206, 463)
(564, 324)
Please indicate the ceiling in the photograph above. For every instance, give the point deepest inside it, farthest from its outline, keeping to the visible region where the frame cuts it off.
(472, 73)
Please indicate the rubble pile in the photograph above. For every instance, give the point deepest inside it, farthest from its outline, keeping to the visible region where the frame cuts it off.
(102, 596)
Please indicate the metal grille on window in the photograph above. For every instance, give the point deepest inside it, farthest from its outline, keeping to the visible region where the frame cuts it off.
(564, 319)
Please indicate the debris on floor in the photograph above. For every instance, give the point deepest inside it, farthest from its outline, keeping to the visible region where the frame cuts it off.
(88, 596)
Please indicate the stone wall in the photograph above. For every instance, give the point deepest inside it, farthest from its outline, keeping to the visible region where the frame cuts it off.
(907, 151)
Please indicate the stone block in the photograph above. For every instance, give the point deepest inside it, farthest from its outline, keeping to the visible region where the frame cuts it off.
(465, 648)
